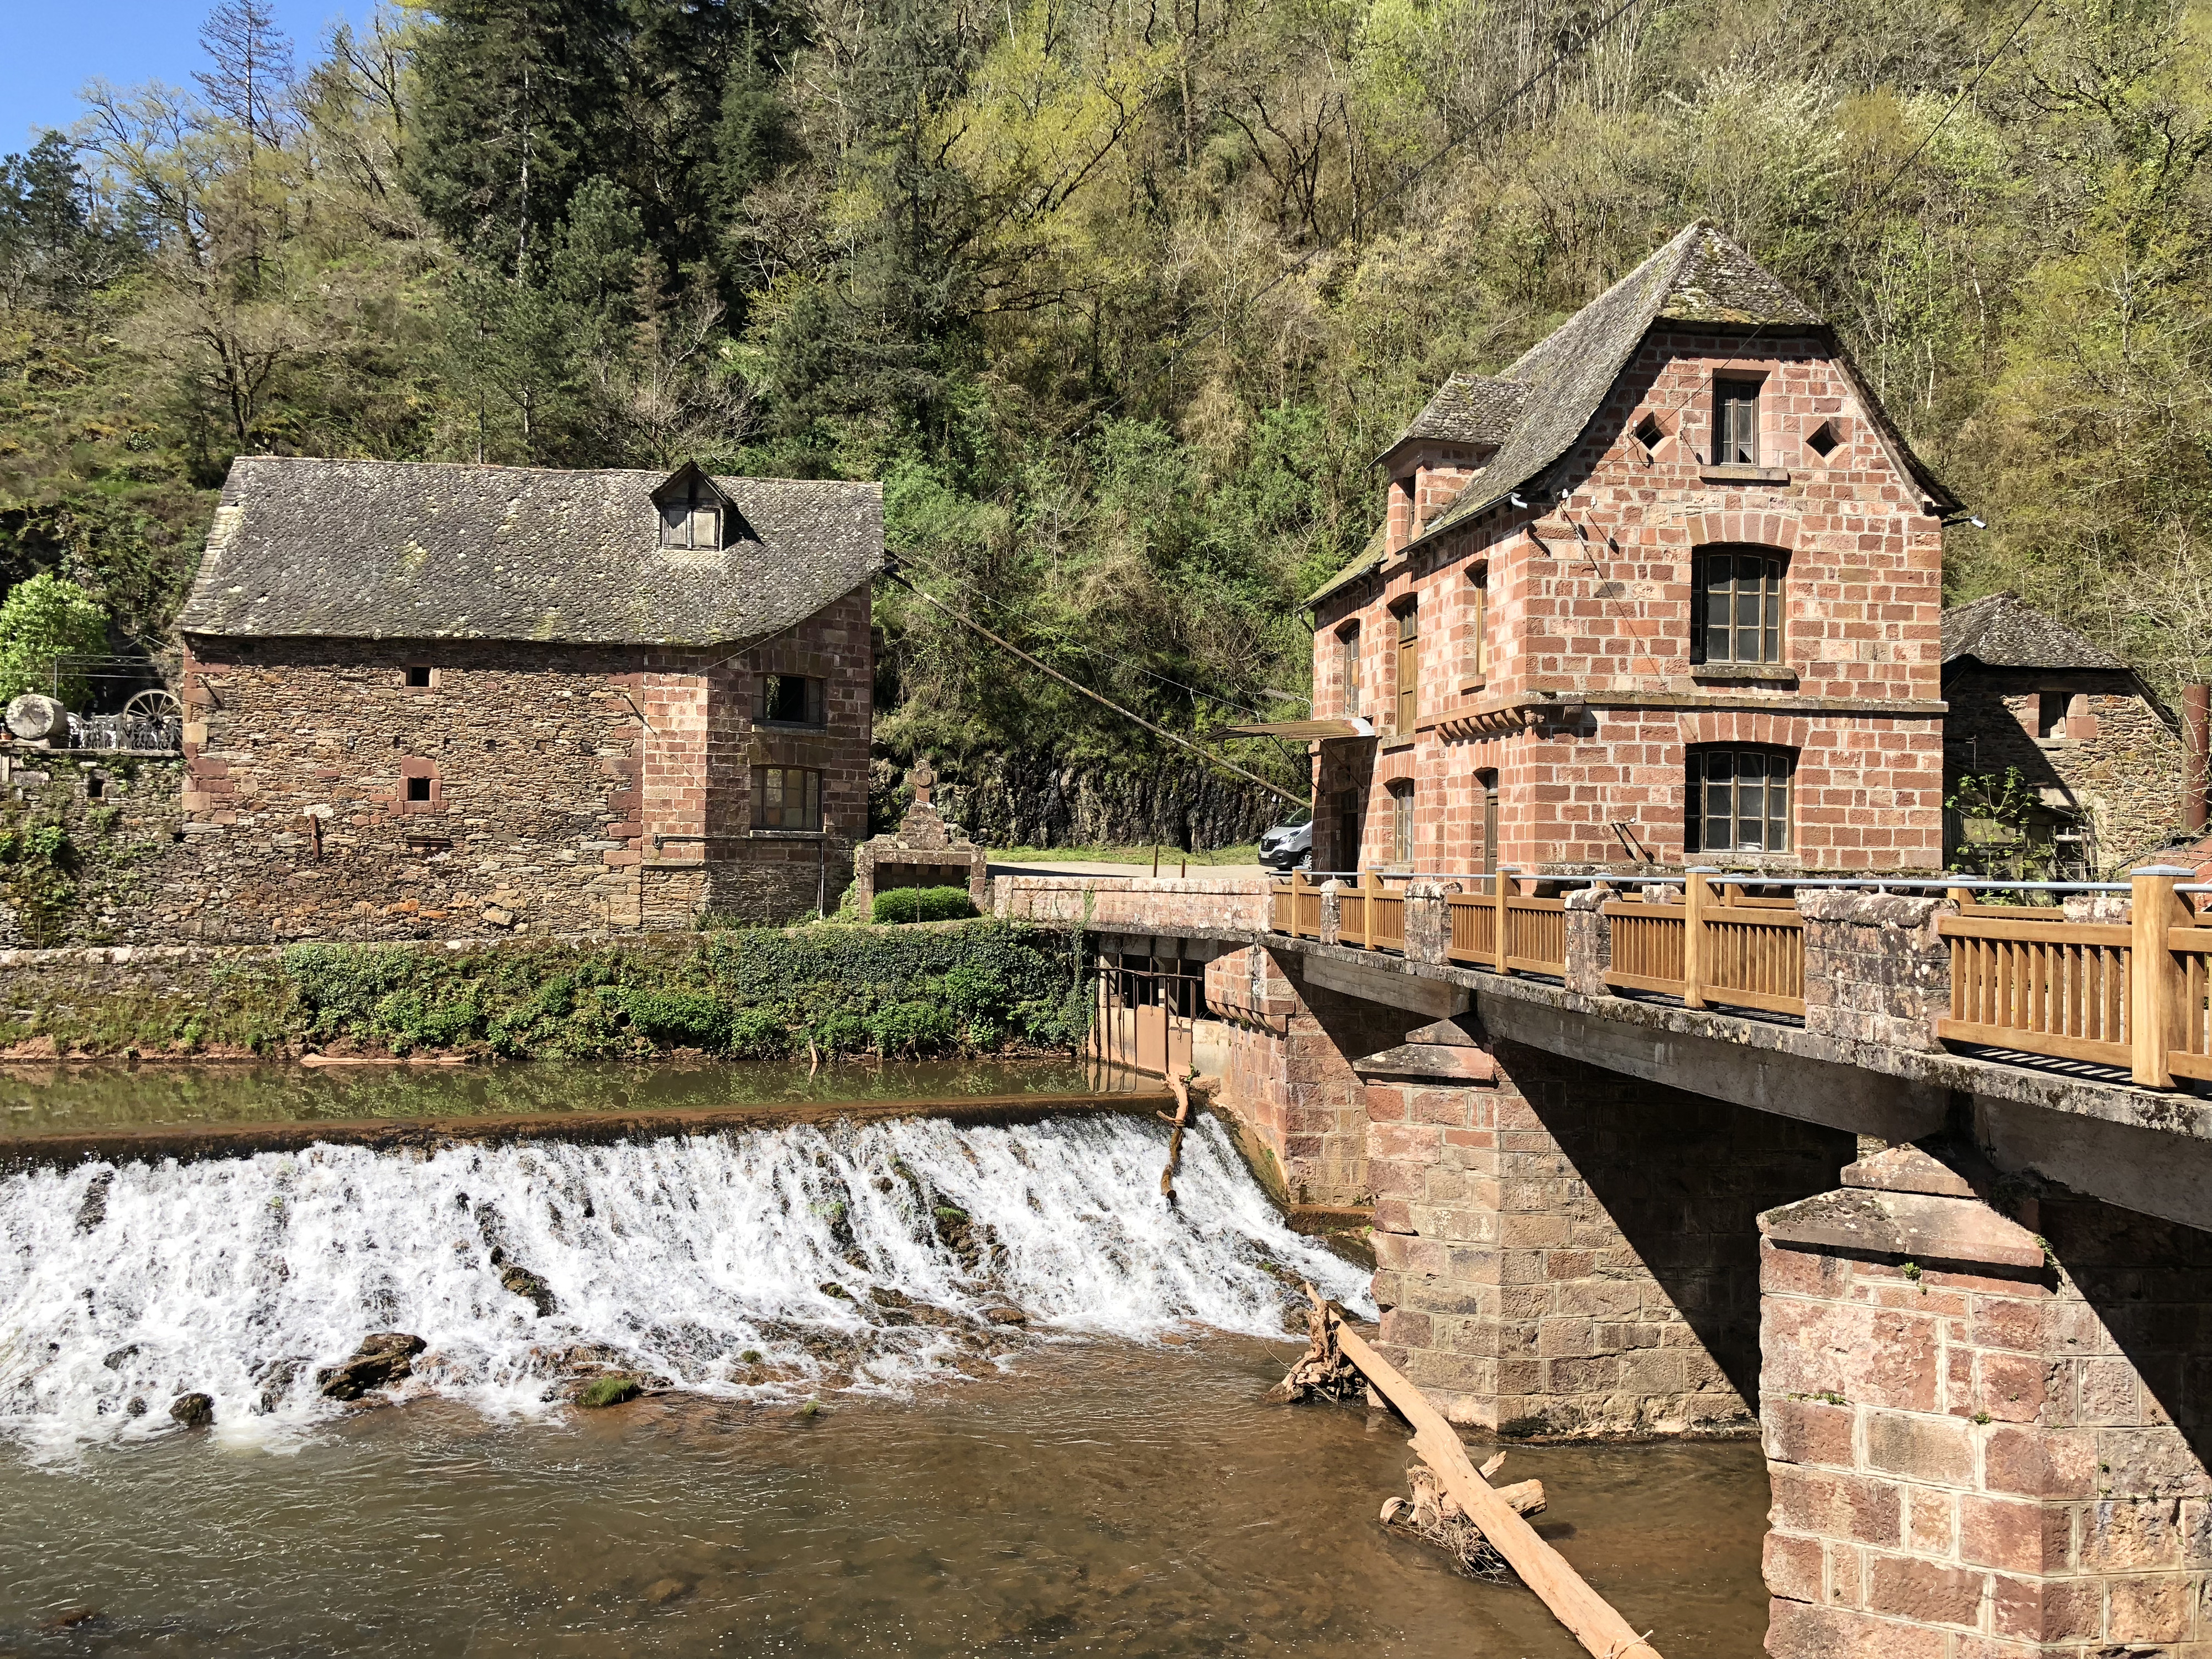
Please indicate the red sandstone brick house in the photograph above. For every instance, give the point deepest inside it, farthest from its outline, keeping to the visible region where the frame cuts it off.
(2099, 758)
(1666, 590)
(421, 699)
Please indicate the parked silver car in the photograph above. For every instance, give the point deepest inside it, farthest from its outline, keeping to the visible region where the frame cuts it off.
(1289, 846)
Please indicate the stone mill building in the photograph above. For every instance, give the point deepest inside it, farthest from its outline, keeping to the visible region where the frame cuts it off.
(423, 699)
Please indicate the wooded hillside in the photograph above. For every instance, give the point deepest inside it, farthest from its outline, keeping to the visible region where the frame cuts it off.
(1120, 299)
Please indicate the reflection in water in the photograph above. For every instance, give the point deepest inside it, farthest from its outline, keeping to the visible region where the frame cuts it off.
(1103, 1500)
(50, 1098)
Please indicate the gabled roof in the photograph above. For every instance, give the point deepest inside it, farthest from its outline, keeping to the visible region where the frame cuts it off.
(2000, 632)
(1699, 277)
(1467, 409)
(401, 549)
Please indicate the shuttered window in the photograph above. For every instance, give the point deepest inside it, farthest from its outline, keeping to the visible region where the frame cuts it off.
(1735, 422)
(1409, 665)
(1401, 823)
(692, 519)
(1739, 799)
(786, 798)
(1736, 613)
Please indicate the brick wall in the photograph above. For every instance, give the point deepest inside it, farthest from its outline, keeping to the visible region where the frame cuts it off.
(1566, 1251)
(1974, 1459)
(1590, 599)
(551, 769)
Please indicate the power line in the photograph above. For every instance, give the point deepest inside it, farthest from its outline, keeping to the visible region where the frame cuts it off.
(1206, 754)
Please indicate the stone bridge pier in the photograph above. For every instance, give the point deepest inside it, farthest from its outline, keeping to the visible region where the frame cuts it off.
(1985, 1400)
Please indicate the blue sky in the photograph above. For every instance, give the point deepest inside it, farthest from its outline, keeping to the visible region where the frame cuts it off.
(49, 48)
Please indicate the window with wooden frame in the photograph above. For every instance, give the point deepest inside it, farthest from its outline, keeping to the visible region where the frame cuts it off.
(786, 798)
(691, 515)
(790, 700)
(1486, 853)
(1401, 822)
(1409, 665)
(1478, 618)
(1735, 422)
(1738, 798)
(1736, 614)
(1347, 643)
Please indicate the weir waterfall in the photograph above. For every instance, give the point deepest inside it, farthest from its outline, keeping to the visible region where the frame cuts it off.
(763, 1263)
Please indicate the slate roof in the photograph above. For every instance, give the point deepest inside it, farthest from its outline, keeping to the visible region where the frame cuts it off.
(2000, 632)
(1699, 277)
(403, 550)
(1467, 409)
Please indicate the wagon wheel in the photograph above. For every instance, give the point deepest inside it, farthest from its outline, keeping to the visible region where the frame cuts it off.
(153, 706)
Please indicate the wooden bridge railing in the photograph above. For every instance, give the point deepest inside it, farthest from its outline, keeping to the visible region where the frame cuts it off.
(2132, 994)
(2135, 995)
(1725, 948)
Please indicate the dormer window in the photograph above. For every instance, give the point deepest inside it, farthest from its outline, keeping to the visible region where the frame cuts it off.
(691, 511)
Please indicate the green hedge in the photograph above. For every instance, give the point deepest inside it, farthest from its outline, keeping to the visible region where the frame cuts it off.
(923, 904)
(763, 994)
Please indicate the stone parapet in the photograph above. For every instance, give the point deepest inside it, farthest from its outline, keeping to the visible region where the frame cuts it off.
(1875, 969)
(1162, 905)
(1975, 1451)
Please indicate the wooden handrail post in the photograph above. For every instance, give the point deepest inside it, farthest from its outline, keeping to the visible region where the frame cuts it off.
(2154, 1011)
(1696, 894)
(1498, 919)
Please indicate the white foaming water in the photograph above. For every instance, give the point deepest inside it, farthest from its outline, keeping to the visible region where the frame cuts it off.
(675, 1258)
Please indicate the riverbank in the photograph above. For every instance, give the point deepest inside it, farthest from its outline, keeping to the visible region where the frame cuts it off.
(980, 986)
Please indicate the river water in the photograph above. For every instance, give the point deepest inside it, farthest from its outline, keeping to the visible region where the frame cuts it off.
(913, 1387)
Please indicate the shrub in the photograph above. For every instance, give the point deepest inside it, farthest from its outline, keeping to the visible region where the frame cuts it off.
(602, 1391)
(913, 1028)
(923, 904)
(758, 1035)
(840, 1033)
(677, 1019)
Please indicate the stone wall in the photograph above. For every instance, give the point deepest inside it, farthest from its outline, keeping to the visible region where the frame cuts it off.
(1976, 1452)
(1034, 801)
(1135, 903)
(1288, 1081)
(1562, 1250)
(120, 815)
(537, 788)
(2115, 755)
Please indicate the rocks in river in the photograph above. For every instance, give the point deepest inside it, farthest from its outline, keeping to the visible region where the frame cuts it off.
(971, 1240)
(662, 1591)
(530, 1287)
(276, 1378)
(192, 1411)
(93, 1210)
(1003, 1315)
(137, 1407)
(118, 1356)
(383, 1358)
(70, 1619)
(831, 1287)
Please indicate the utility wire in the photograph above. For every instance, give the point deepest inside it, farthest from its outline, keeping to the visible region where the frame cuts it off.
(1206, 754)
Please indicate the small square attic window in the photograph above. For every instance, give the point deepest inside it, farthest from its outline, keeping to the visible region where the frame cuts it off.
(1650, 435)
(419, 674)
(1826, 440)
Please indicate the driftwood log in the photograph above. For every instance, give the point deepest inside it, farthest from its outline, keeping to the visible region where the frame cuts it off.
(1180, 1121)
(1588, 1616)
(1323, 1370)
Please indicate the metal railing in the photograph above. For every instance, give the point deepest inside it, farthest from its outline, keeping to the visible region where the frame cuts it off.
(2134, 996)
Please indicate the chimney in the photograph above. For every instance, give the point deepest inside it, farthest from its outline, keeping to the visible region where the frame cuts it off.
(2196, 736)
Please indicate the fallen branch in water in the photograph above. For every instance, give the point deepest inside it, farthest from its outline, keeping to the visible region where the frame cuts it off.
(1586, 1614)
(1436, 1514)
(1175, 1140)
